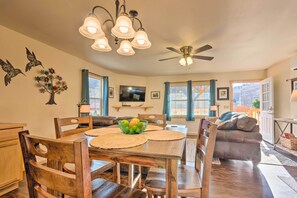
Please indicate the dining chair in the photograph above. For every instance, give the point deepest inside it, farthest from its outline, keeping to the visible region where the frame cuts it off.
(48, 181)
(85, 123)
(154, 119)
(192, 181)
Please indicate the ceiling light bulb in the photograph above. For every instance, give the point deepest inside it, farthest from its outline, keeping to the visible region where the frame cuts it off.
(124, 29)
(91, 29)
(189, 61)
(126, 49)
(101, 46)
(140, 41)
(182, 62)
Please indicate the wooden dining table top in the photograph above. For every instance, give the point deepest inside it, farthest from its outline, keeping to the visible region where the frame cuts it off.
(160, 149)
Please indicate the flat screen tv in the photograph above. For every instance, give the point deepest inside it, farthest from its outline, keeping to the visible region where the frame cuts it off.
(132, 93)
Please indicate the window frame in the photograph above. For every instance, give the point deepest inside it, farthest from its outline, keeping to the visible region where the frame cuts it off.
(177, 84)
(200, 83)
(97, 77)
(207, 82)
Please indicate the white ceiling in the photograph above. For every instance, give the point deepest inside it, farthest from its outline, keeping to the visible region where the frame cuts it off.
(245, 34)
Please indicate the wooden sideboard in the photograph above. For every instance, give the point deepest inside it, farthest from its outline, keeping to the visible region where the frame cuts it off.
(11, 163)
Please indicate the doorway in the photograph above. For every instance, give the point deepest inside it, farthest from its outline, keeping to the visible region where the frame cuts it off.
(245, 97)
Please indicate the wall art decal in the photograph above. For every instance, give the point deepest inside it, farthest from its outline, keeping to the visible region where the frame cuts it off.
(49, 82)
(33, 60)
(10, 70)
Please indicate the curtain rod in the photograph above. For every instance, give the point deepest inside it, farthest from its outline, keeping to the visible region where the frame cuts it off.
(194, 81)
(95, 74)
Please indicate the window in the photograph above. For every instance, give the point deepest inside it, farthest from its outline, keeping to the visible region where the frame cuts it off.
(95, 91)
(200, 98)
(178, 99)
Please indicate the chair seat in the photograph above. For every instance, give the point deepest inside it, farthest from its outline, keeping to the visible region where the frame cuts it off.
(96, 167)
(188, 179)
(103, 188)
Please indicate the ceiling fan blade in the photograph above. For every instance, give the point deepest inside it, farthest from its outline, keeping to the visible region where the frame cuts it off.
(209, 58)
(174, 50)
(164, 59)
(201, 49)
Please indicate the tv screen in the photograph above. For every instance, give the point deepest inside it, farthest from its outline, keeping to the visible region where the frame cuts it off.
(132, 94)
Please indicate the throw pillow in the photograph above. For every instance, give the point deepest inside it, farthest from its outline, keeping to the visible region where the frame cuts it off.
(228, 125)
(229, 115)
(246, 123)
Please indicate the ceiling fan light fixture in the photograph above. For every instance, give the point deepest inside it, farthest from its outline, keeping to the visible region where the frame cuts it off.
(182, 61)
(101, 45)
(91, 28)
(123, 28)
(126, 48)
(141, 40)
(189, 60)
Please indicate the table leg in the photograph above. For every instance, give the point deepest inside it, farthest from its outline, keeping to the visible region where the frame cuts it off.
(184, 157)
(117, 173)
(171, 178)
(130, 175)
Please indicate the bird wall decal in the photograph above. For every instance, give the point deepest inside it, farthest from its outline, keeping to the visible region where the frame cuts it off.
(10, 70)
(33, 60)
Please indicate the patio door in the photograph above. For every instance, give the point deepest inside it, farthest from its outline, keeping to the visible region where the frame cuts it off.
(267, 110)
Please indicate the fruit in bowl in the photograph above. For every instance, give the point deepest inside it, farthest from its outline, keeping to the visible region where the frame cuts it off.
(134, 126)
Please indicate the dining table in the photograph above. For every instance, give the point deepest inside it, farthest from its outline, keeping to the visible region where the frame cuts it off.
(162, 154)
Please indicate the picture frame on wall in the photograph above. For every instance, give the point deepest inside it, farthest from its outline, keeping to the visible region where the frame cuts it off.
(223, 93)
(295, 85)
(155, 95)
(110, 92)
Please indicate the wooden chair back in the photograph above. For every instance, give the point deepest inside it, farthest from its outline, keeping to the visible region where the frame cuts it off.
(56, 152)
(73, 121)
(155, 119)
(204, 153)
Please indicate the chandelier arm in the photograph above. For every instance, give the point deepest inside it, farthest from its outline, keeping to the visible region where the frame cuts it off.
(140, 23)
(111, 18)
(107, 20)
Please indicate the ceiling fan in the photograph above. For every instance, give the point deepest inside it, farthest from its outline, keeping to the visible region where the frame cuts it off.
(187, 54)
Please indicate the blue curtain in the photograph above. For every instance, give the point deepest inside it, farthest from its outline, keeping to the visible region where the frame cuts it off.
(166, 106)
(85, 97)
(105, 96)
(190, 111)
(212, 99)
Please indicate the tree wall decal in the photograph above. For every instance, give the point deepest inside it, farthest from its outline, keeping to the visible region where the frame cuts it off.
(49, 82)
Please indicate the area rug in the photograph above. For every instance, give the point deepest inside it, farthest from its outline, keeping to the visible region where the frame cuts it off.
(290, 181)
(270, 156)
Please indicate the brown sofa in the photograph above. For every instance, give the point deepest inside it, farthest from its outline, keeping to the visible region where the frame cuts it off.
(239, 144)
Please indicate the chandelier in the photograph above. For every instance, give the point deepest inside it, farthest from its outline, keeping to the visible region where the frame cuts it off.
(122, 30)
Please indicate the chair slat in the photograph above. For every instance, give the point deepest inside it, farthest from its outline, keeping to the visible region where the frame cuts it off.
(62, 122)
(64, 182)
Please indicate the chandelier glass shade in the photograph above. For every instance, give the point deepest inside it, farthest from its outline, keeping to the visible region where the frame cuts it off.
(140, 40)
(126, 48)
(91, 28)
(186, 61)
(101, 45)
(122, 30)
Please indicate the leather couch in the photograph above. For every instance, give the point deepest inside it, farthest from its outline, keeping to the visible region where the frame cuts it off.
(240, 142)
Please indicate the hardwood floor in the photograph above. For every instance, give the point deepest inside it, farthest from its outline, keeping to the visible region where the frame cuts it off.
(232, 179)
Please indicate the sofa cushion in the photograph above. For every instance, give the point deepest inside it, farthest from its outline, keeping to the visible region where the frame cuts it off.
(227, 125)
(228, 115)
(246, 123)
(238, 136)
(103, 120)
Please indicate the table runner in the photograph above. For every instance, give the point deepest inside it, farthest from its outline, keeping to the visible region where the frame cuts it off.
(164, 135)
(118, 140)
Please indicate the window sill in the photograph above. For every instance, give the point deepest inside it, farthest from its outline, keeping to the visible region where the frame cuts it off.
(183, 116)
